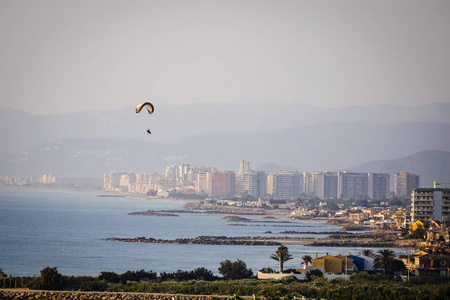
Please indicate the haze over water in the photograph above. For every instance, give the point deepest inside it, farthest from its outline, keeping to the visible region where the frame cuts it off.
(40, 228)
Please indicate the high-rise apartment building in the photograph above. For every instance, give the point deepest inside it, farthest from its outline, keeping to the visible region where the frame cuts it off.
(284, 185)
(48, 179)
(141, 186)
(171, 172)
(428, 204)
(348, 185)
(126, 180)
(201, 183)
(118, 181)
(244, 168)
(325, 184)
(183, 171)
(221, 184)
(379, 185)
(308, 185)
(352, 185)
(254, 184)
(159, 181)
(111, 181)
(404, 183)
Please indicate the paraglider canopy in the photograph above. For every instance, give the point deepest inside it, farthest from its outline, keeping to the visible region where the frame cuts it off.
(147, 105)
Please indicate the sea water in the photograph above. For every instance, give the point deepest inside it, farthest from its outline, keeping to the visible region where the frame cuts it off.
(46, 228)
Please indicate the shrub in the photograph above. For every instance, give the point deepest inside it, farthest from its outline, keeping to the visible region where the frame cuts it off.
(50, 279)
(109, 277)
(235, 270)
(312, 274)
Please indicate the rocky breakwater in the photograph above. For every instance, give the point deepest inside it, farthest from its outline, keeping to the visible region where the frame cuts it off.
(152, 213)
(236, 219)
(203, 240)
(376, 238)
(7, 294)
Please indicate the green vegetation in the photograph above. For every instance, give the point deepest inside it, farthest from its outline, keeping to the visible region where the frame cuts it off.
(385, 260)
(306, 260)
(50, 279)
(366, 252)
(235, 270)
(360, 287)
(313, 274)
(202, 282)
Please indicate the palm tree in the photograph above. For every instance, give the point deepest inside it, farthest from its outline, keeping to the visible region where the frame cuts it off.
(366, 252)
(281, 255)
(306, 259)
(385, 260)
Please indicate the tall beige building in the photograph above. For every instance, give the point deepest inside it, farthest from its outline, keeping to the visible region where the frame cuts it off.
(48, 179)
(201, 183)
(221, 184)
(111, 181)
(244, 168)
(308, 185)
(428, 204)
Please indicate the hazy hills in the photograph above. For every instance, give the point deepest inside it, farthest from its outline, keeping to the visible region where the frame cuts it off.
(309, 148)
(286, 136)
(170, 123)
(432, 165)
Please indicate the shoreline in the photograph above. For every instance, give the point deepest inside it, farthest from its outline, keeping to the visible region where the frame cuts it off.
(98, 192)
(333, 240)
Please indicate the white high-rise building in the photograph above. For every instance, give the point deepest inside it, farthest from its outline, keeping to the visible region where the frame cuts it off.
(182, 171)
(308, 184)
(244, 168)
(352, 185)
(284, 185)
(111, 181)
(254, 184)
(325, 185)
(201, 183)
(171, 172)
(429, 204)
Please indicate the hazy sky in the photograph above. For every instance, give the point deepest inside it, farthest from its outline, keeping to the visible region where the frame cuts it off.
(66, 56)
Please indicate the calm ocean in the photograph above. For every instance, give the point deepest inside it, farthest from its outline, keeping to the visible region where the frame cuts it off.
(41, 228)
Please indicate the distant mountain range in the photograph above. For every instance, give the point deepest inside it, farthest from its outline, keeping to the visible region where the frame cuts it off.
(431, 165)
(170, 123)
(286, 136)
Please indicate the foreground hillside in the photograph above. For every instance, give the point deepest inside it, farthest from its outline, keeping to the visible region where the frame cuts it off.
(319, 288)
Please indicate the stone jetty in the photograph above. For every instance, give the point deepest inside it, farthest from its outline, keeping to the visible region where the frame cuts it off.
(236, 219)
(153, 213)
(204, 240)
(338, 239)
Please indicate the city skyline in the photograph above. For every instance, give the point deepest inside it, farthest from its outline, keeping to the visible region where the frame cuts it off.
(256, 183)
